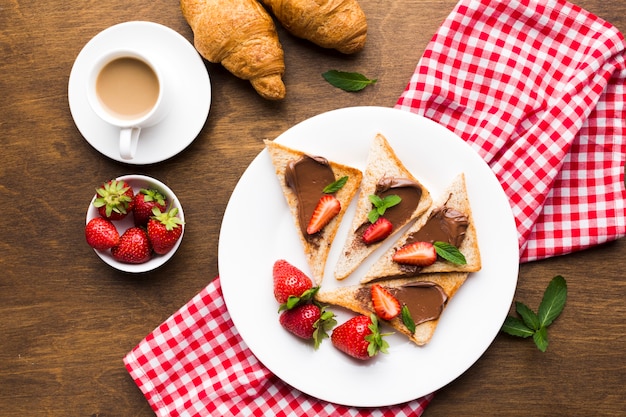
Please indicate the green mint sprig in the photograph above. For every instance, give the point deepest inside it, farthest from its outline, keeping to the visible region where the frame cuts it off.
(335, 186)
(450, 253)
(407, 320)
(347, 81)
(381, 205)
(536, 324)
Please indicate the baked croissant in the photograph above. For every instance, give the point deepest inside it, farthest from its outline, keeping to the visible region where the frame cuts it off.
(239, 34)
(335, 24)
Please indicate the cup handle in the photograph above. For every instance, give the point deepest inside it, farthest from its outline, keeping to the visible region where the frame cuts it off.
(129, 138)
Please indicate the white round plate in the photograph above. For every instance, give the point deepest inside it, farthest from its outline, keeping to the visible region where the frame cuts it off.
(192, 96)
(257, 230)
(137, 182)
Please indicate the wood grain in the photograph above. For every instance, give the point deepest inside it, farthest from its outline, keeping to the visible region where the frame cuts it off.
(67, 319)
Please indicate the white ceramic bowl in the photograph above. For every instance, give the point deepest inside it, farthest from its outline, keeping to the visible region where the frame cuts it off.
(138, 182)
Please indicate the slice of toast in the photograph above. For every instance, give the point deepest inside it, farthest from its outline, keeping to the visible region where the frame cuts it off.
(357, 298)
(455, 198)
(317, 247)
(381, 163)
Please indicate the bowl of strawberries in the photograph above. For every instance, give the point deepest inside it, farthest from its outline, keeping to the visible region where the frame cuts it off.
(134, 223)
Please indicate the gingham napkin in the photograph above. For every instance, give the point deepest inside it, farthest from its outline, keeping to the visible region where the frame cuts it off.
(537, 88)
(195, 364)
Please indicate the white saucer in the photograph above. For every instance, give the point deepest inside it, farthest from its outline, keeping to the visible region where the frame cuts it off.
(192, 97)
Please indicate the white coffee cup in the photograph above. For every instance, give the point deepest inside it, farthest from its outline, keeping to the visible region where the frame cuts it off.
(127, 89)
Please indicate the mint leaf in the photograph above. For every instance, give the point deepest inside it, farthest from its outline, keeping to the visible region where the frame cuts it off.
(541, 339)
(516, 327)
(449, 253)
(333, 187)
(536, 324)
(347, 81)
(529, 317)
(381, 205)
(407, 319)
(322, 326)
(553, 301)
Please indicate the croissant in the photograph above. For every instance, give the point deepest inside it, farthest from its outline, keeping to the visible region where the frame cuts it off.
(334, 24)
(239, 34)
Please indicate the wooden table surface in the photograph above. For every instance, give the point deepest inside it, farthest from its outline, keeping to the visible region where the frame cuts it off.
(67, 319)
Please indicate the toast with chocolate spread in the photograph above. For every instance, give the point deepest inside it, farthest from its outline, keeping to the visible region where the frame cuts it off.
(302, 178)
(385, 176)
(448, 220)
(425, 296)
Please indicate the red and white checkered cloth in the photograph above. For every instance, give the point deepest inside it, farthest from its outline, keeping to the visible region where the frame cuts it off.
(538, 89)
(195, 364)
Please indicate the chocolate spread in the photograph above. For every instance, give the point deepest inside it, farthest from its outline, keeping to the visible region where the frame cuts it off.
(410, 194)
(424, 299)
(307, 177)
(444, 224)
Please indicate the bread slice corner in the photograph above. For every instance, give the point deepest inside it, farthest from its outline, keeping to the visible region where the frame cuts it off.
(354, 298)
(455, 197)
(382, 161)
(316, 253)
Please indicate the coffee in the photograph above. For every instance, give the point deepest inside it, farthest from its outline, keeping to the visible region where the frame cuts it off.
(127, 87)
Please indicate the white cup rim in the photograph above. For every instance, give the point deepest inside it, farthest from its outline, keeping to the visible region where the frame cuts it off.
(142, 121)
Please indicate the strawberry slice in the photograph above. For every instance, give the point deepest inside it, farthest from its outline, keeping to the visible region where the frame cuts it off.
(417, 253)
(327, 208)
(377, 231)
(385, 304)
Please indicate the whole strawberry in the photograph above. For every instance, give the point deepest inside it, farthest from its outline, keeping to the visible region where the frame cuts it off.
(291, 285)
(359, 337)
(164, 230)
(101, 234)
(133, 247)
(143, 203)
(114, 199)
(308, 321)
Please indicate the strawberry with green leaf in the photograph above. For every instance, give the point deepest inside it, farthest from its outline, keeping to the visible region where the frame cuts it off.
(143, 203)
(381, 205)
(308, 321)
(164, 230)
(416, 253)
(327, 207)
(114, 199)
(380, 228)
(425, 253)
(291, 285)
(359, 337)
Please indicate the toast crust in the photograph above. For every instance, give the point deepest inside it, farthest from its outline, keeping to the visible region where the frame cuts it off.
(381, 162)
(316, 253)
(454, 197)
